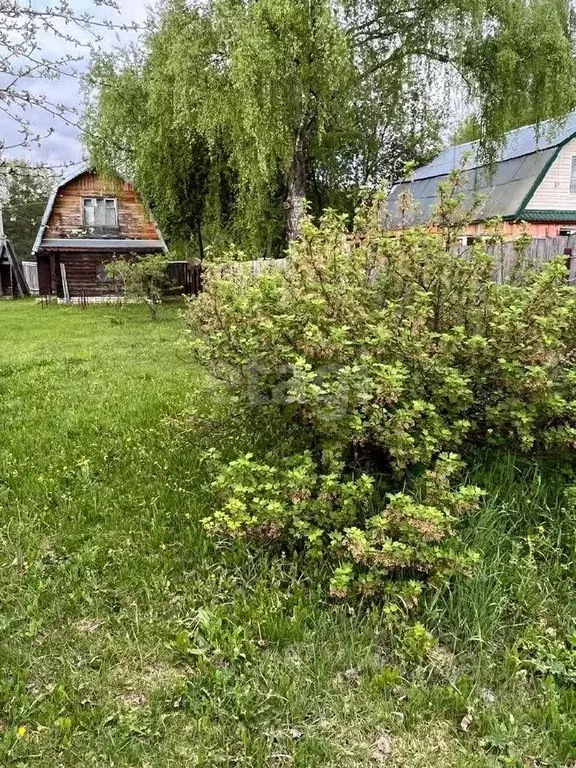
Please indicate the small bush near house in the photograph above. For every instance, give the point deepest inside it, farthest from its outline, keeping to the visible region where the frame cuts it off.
(382, 360)
(143, 279)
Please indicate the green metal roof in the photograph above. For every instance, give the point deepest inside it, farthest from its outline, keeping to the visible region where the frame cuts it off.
(506, 187)
(517, 143)
(541, 215)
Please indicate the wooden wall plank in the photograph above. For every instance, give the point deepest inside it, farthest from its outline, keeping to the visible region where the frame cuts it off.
(66, 219)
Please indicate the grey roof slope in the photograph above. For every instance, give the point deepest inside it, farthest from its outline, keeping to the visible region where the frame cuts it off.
(505, 186)
(84, 168)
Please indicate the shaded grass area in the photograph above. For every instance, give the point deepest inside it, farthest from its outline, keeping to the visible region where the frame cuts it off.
(127, 640)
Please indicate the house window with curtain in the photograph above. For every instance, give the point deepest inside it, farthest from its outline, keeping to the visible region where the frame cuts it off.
(100, 213)
(573, 177)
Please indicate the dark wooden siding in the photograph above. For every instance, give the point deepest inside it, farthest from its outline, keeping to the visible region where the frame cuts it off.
(82, 273)
(43, 262)
(5, 280)
(66, 219)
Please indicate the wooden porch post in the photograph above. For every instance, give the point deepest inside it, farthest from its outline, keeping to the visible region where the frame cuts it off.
(53, 283)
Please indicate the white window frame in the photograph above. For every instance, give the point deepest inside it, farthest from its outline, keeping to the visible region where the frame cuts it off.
(106, 199)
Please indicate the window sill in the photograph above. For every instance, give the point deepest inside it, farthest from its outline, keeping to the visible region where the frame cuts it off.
(101, 231)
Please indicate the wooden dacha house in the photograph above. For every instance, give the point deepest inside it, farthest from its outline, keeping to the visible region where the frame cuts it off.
(89, 220)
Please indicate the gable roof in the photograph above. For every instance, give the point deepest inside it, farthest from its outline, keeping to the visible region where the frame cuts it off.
(84, 168)
(506, 186)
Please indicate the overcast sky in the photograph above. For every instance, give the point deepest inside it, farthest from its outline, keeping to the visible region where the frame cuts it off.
(64, 145)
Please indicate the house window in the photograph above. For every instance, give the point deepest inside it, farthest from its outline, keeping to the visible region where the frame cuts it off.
(467, 241)
(573, 177)
(100, 212)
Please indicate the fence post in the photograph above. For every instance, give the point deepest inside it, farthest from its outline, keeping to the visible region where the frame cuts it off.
(571, 264)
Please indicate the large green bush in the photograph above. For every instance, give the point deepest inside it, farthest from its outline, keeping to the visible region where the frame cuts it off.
(384, 357)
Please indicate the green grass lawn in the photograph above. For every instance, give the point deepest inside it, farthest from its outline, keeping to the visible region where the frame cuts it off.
(126, 639)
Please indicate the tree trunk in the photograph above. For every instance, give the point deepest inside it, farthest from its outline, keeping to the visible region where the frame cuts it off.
(296, 197)
(200, 241)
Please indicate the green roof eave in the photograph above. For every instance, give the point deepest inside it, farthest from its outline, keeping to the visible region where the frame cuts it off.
(521, 210)
(547, 215)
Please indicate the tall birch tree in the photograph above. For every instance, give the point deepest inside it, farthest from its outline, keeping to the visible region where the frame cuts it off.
(311, 99)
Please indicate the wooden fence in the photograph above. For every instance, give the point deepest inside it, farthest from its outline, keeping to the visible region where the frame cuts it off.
(187, 278)
(30, 270)
(507, 258)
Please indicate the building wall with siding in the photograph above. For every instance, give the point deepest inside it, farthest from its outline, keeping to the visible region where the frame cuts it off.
(44, 282)
(553, 192)
(85, 271)
(66, 219)
(513, 229)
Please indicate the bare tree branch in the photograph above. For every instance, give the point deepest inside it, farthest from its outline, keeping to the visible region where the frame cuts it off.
(23, 31)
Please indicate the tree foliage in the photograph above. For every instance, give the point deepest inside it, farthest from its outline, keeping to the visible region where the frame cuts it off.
(270, 102)
(167, 158)
(25, 196)
(384, 358)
